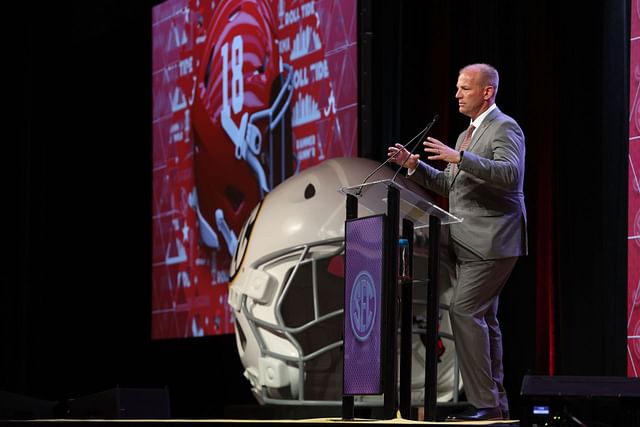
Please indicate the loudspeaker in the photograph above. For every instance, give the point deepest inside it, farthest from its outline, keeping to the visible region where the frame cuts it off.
(121, 403)
(580, 401)
(18, 407)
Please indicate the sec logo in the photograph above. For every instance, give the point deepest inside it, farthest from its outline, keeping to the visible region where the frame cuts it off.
(362, 306)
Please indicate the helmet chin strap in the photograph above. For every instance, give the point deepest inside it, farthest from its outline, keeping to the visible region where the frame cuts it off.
(244, 150)
(228, 234)
(207, 234)
(236, 133)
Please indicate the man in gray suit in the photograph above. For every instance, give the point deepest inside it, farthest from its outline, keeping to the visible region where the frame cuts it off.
(484, 182)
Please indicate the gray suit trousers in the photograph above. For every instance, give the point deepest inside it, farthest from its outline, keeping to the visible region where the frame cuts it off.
(473, 310)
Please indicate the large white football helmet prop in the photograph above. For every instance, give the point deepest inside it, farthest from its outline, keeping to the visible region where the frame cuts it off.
(287, 285)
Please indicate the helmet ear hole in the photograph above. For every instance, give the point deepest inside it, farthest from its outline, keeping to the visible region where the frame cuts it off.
(235, 196)
(263, 66)
(309, 191)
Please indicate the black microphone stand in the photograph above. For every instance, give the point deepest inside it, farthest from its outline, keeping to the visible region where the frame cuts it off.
(425, 132)
(419, 136)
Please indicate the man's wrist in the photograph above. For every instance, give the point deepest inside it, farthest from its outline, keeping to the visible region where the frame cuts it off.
(411, 169)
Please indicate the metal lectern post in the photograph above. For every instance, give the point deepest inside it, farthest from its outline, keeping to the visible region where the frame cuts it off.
(390, 299)
(348, 410)
(406, 327)
(431, 362)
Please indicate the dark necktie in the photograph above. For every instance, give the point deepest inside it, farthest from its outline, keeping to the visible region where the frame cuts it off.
(465, 144)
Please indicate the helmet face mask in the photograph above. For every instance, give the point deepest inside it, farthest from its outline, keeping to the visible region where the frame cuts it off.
(287, 287)
(301, 326)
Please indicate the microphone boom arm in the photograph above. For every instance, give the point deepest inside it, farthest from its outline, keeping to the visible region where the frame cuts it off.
(419, 136)
(425, 132)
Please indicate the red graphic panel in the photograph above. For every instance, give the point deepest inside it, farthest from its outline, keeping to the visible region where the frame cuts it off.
(245, 94)
(633, 274)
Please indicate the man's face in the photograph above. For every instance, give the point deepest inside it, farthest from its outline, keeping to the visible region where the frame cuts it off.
(472, 97)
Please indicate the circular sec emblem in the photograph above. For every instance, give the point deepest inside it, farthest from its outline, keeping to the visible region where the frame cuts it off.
(362, 306)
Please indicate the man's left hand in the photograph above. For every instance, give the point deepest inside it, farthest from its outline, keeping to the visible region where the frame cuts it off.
(437, 150)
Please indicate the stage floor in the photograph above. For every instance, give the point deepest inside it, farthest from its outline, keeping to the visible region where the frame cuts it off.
(230, 422)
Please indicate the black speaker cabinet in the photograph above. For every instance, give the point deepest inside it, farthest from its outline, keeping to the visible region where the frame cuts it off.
(18, 407)
(121, 403)
(579, 401)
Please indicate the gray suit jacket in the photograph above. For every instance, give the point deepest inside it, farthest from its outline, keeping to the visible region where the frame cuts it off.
(486, 190)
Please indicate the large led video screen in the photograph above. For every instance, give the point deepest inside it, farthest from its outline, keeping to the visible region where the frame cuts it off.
(245, 94)
(633, 227)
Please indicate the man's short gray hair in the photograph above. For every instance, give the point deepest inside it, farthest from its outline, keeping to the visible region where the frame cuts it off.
(488, 74)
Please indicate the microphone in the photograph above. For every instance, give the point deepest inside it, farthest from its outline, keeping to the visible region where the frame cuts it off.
(419, 136)
(426, 131)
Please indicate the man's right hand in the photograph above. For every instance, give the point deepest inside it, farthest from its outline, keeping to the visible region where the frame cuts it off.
(399, 157)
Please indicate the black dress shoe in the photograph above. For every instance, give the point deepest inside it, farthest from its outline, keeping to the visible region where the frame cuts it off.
(477, 414)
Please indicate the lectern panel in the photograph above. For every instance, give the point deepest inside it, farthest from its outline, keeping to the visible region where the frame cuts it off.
(363, 305)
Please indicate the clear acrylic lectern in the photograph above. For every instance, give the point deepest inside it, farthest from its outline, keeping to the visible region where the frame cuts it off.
(404, 206)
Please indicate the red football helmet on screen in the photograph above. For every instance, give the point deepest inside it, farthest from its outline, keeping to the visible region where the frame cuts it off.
(241, 118)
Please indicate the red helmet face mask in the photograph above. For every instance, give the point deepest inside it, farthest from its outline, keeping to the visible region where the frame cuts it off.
(241, 118)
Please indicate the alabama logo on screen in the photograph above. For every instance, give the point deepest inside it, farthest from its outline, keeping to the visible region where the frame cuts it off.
(362, 306)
